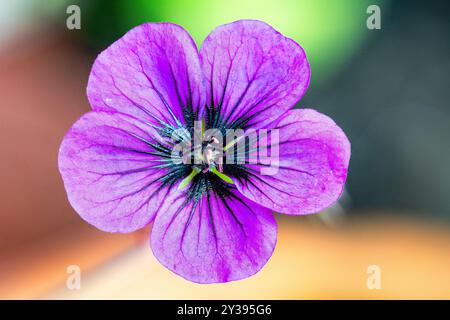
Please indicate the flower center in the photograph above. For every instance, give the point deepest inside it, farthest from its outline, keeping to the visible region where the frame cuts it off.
(198, 164)
(205, 157)
(207, 154)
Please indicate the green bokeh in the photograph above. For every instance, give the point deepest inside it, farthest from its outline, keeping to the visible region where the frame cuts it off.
(329, 30)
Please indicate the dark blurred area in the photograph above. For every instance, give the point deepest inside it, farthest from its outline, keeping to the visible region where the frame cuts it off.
(393, 99)
(388, 89)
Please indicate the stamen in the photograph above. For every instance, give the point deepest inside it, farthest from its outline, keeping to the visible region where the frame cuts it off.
(232, 143)
(203, 128)
(221, 175)
(189, 178)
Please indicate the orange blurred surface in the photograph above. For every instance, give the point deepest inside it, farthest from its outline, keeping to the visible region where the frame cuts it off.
(42, 84)
(311, 261)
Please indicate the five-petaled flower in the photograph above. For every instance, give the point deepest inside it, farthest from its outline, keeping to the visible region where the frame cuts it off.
(218, 226)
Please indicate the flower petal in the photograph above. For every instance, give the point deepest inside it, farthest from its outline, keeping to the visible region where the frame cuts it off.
(109, 171)
(314, 154)
(254, 73)
(153, 71)
(214, 240)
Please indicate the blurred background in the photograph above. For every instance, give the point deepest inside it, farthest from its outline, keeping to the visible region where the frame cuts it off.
(388, 89)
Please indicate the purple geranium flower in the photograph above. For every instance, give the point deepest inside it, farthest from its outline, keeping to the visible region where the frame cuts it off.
(212, 220)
